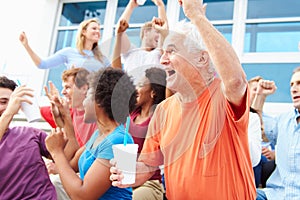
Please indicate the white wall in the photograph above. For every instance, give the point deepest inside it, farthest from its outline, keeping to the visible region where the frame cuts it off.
(36, 18)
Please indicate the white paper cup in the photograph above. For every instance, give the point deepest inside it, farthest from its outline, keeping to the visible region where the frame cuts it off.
(266, 145)
(140, 2)
(125, 156)
(31, 111)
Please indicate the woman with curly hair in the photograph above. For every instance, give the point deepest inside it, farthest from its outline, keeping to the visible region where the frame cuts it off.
(112, 95)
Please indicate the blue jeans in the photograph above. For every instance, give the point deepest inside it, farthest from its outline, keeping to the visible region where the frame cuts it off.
(260, 195)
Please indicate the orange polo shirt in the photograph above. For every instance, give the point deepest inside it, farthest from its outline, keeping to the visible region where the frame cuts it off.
(203, 146)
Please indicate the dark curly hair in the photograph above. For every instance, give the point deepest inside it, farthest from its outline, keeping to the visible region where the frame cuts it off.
(114, 92)
(7, 83)
(157, 78)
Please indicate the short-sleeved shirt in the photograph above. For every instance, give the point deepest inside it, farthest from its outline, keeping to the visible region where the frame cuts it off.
(254, 137)
(22, 169)
(104, 151)
(71, 57)
(203, 146)
(83, 131)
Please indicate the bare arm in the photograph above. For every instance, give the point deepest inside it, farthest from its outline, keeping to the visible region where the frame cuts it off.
(62, 117)
(264, 89)
(96, 181)
(35, 58)
(161, 10)
(72, 145)
(5, 120)
(161, 23)
(121, 28)
(221, 52)
(13, 106)
(126, 16)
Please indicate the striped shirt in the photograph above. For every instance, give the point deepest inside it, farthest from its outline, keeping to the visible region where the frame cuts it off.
(284, 182)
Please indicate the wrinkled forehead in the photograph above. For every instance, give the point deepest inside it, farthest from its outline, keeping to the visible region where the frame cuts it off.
(174, 40)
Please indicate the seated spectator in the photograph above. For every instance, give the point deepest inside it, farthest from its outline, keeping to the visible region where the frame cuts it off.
(111, 90)
(83, 131)
(68, 77)
(22, 168)
(283, 182)
(200, 133)
(150, 92)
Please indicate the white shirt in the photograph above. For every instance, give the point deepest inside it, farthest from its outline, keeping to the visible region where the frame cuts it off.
(137, 60)
(254, 138)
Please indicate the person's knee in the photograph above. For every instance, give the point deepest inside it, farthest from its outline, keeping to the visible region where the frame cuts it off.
(147, 193)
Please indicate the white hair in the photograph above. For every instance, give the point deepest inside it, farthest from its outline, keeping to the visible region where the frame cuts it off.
(192, 38)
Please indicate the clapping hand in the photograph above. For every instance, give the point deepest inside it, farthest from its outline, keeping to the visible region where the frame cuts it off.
(56, 141)
(59, 107)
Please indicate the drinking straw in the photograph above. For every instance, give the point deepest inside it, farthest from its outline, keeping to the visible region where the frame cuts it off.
(126, 130)
(18, 82)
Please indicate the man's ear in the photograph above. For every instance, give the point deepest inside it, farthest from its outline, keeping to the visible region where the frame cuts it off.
(204, 57)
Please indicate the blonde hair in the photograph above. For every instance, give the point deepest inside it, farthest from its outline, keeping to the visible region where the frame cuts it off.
(80, 39)
(69, 73)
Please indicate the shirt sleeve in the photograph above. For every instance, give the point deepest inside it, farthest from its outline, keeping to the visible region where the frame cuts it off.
(104, 149)
(106, 62)
(55, 60)
(254, 135)
(41, 135)
(239, 117)
(151, 153)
